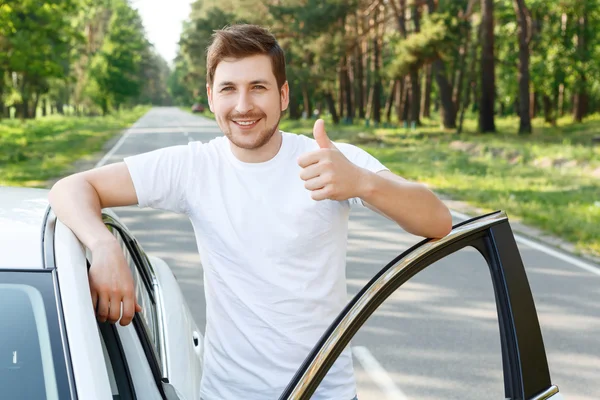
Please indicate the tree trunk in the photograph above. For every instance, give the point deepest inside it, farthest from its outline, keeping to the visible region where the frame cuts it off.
(294, 107)
(359, 97)
(462, 65)
(524, 34)
(580, 98)
(426, 97)
(533, 104)
(471, 83)
(447, 111)
(359, 82)
(331, 106)
(390, 101)
(415, 87)
(342, 88)
(306, 100)
(44, 107)
(488, 84)
(36, 99)
(348, 92)
(547, 103)
(399, 92)
(377, 87)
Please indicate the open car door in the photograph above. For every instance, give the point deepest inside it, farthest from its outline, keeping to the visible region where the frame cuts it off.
(524, 362)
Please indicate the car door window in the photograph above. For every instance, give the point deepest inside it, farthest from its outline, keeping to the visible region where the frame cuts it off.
(434, 338)
(144, 292)
(524, 363)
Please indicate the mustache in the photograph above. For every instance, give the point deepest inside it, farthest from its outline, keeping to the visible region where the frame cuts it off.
(252, 115)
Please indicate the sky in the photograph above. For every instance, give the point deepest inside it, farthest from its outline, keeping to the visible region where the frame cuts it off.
(163, 22)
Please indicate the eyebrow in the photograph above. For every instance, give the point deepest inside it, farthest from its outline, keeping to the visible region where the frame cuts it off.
(254, 82)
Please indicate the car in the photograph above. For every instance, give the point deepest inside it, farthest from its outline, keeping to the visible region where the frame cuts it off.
(198, 108)
(52, 346)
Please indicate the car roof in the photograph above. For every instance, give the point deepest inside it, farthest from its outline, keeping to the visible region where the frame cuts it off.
(22, 215)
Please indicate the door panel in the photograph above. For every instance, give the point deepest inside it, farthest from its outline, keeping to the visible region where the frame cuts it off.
(525, 368)
(183, 341)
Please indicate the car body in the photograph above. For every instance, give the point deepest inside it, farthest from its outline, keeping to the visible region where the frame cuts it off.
(198, 108)
(51, 345)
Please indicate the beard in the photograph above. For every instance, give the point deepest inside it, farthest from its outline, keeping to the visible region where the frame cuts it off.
(260, 139)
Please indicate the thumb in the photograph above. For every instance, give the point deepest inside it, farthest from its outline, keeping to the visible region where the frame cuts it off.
(321, 136)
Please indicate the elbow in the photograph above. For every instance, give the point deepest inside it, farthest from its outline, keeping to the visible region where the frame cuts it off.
(443, 223)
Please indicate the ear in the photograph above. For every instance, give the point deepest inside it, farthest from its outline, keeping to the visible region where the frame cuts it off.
(209, 95)
(285, 96)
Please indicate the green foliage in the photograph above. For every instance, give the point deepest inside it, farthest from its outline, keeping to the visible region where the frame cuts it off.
(419, 48)
(92, 54)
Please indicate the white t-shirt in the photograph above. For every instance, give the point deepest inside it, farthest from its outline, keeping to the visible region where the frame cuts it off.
(274, 260)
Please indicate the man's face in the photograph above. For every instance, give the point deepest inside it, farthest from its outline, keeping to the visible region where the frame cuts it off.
(246, 101)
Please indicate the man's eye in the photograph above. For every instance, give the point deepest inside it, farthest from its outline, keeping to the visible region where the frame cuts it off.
(227, 88)
(259, 87)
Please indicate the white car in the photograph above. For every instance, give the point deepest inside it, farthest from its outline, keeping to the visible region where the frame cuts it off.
(52, 347)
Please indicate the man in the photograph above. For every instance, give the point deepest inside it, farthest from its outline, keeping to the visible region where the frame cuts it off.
(270, 213)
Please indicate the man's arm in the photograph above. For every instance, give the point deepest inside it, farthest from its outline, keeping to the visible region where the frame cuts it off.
(414, 207)
(77, 201)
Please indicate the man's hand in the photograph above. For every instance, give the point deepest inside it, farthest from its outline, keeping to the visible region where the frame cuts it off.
(111, 284)
(327, 173)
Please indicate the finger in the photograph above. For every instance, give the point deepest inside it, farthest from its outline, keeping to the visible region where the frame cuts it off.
(315, 183)
(114, 311)
(309, 158)
(320, 194)
(129, 307)
(310, 172)
(102, 310)
(94, 299)
(321, 136)
(138, 308)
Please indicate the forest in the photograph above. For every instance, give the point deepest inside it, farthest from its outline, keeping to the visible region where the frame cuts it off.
(399, 61)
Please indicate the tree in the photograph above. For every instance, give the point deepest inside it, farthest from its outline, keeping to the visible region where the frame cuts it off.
(524, 34)
(488, 85)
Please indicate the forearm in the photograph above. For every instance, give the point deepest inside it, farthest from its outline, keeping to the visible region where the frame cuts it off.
(77, 205)
(414, 207)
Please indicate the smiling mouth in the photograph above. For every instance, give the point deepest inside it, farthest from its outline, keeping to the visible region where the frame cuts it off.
(246, 124)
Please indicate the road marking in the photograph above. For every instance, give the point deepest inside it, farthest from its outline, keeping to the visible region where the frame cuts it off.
(116, 146)
(544, 249)
(378, 373)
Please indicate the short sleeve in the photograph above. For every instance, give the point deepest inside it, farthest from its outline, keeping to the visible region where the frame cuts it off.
(161, 177)
(363, 159)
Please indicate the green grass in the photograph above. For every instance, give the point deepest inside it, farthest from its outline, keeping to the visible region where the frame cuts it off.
(35, 151)
(550, 179)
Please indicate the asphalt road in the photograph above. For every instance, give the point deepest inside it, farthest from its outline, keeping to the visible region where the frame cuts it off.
(437, 337)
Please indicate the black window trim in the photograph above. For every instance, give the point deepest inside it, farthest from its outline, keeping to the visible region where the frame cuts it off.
(525, 366)
(115, 351)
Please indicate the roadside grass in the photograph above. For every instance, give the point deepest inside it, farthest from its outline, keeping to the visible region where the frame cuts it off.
(35, 151)
(550, 180)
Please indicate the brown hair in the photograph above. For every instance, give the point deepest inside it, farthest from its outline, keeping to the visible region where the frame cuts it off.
(239, 41)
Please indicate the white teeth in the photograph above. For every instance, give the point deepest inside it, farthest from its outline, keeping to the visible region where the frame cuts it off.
(245, 122)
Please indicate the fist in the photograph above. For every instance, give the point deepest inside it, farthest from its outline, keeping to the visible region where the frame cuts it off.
(326, 172)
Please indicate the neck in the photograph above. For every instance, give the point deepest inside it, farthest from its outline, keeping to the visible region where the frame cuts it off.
(260, 154)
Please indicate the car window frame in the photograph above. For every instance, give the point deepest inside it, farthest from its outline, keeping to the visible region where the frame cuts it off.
(156, 358)
(525, 366)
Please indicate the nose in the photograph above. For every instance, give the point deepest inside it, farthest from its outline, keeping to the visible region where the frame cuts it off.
(244, 103)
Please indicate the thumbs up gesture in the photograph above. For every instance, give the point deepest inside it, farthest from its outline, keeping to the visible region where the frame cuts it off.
(327, 173)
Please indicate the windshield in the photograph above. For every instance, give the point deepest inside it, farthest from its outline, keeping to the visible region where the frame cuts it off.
(32, 360)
